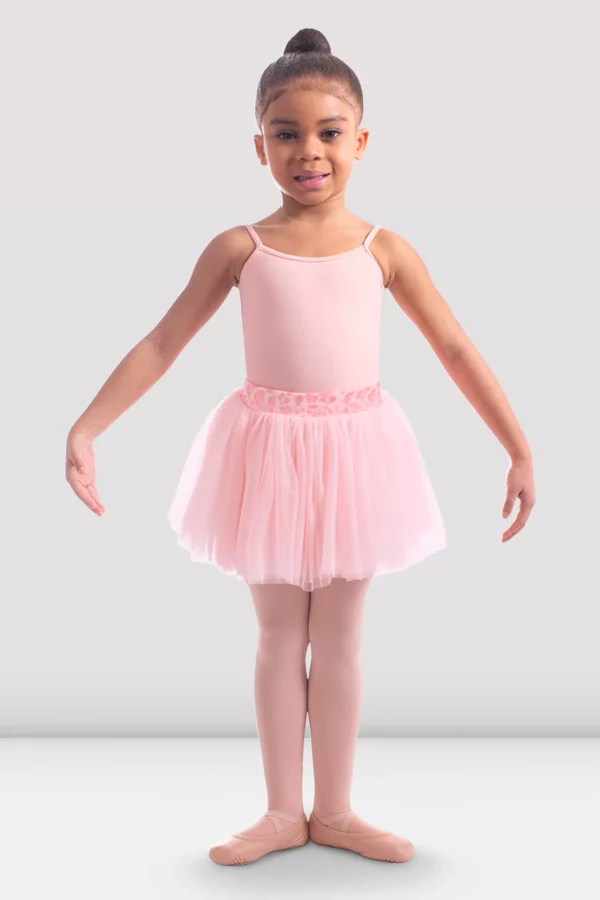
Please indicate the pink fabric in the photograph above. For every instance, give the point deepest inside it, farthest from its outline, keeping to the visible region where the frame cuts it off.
(310, 471)
(311, 323)
(311, 403)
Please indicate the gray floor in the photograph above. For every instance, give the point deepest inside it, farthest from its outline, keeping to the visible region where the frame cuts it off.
(133, 819)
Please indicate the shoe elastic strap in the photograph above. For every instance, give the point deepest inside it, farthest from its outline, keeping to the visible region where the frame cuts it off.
(345, 817)
(279, 815)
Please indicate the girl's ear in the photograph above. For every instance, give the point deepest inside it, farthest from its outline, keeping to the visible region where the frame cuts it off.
(259, 144)
(362, 139)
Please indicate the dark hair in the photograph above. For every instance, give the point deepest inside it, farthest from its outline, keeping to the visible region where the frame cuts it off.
(307, 55)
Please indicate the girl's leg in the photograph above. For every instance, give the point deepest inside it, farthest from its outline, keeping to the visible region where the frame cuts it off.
(335, 694)
(280, 691)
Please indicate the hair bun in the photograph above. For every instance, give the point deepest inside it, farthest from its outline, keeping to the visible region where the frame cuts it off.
(308, 40)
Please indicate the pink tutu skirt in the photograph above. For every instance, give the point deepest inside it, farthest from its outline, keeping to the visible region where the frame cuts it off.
(299, 488)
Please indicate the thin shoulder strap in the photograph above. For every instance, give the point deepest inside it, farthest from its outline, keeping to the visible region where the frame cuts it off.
(252, 231)
(371, 235)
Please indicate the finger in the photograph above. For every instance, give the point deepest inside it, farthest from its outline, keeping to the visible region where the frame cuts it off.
(510, 534)
(94, 494)
(508, 505)
(518, 524)
(83, 494)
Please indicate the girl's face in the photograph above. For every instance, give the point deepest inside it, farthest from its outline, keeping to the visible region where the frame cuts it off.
(306, 128)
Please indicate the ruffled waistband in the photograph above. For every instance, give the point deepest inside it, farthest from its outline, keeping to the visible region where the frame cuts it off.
(311, 403)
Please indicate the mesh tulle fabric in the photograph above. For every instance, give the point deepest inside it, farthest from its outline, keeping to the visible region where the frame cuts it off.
(273, 496)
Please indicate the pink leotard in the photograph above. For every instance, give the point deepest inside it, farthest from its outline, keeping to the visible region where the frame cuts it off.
(311, 323)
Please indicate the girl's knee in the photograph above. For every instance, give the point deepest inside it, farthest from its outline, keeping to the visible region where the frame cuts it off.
(340, 646)
(279, 639)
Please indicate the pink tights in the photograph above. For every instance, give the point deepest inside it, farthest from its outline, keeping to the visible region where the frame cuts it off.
(330, 619)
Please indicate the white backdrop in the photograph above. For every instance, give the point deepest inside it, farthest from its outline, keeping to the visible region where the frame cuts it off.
(128, 144)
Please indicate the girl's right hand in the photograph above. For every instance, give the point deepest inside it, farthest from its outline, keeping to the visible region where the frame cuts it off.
(80, 470)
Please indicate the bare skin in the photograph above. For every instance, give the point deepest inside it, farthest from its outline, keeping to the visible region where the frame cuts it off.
(311, 222)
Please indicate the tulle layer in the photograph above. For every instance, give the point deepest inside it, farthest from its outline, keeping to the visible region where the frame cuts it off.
(273, 496)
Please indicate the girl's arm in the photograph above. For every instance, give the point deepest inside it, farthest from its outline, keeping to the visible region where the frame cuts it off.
(412, 288)
(210, 282)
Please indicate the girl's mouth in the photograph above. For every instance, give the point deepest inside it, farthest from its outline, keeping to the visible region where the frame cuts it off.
(311, 180)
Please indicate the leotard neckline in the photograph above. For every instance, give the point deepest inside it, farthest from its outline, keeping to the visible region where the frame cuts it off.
(363, 246)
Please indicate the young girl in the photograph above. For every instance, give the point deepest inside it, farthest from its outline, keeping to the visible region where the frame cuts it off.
(307, 481)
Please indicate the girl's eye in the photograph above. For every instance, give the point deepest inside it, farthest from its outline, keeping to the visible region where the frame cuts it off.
(329, 131)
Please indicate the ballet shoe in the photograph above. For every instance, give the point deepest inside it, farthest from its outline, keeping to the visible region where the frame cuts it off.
(382, 845)
(240, 849)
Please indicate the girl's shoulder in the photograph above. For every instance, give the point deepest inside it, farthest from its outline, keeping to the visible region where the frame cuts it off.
(239, 246)
(229, 249)
(395, 255)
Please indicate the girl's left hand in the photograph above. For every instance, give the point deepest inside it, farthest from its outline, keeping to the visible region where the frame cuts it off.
(519, 484)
